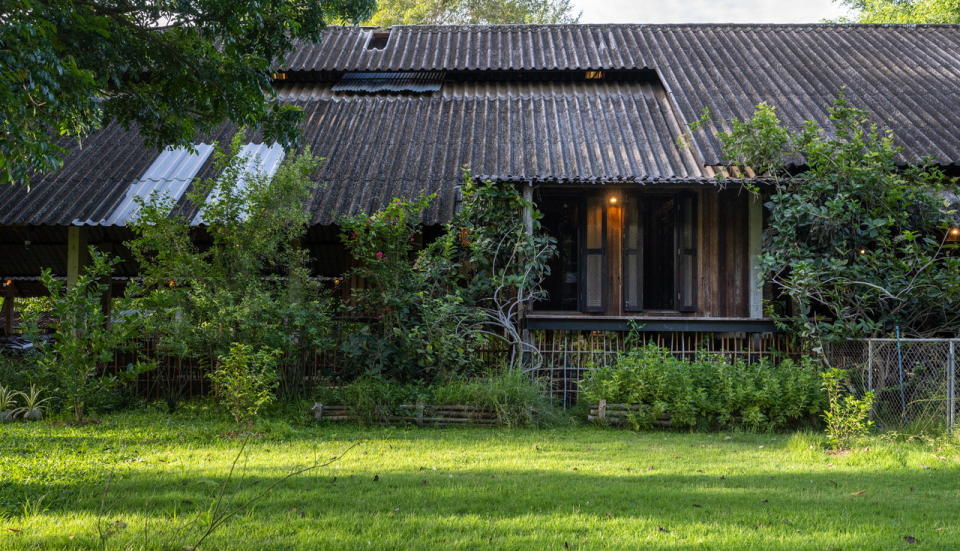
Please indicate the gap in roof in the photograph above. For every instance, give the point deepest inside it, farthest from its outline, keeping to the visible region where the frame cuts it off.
(708, 11)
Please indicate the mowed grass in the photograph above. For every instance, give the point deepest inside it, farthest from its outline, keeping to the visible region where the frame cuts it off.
(139, 479)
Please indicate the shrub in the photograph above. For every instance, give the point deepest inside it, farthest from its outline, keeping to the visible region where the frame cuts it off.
(846, 416)
(516, 398)
(83, 337)
(244, 381)
(708, 392)
(255, 286)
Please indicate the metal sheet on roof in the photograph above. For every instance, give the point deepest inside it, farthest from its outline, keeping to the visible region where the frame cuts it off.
(166, 179)
(419, 82)
(906, 75)
(259, 160)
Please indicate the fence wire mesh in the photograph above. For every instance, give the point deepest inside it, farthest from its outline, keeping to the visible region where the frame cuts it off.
(913, 380)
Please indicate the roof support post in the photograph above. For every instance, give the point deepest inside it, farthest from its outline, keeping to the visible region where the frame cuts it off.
(754, 249)
(528, 228)
(528, 209)
(9, 294)
(76, 252)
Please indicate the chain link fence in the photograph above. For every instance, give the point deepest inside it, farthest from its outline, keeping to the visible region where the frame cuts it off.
(914, 380)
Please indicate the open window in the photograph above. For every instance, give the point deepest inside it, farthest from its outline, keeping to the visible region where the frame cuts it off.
(620, 255)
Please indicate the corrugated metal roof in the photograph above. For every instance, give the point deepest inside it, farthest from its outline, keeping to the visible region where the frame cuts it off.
(475, 47)
(906, 75)
(259, 160)
(167, 178)
(377, 148)
(421, 82)
(380, 146)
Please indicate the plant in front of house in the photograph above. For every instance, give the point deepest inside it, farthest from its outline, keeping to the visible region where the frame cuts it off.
(709, 392)
(8, 403)
(489, 257)
(33, 405)
(244, 278)
(847, 417)
(245, 381)
(409, 328)
(83, 336)
(855, 241)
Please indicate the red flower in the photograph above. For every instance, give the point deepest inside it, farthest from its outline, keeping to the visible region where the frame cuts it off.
(379, 255)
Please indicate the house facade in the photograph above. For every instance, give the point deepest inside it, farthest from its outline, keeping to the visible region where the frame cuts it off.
(593, 122)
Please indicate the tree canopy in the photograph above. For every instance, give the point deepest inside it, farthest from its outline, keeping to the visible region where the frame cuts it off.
(905, 11)
(856, 243)
(461, 12)
(172, 69)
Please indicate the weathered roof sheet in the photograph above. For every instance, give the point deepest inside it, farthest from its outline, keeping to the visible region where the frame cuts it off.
(394, 146)
(557, 129)
(906, 75)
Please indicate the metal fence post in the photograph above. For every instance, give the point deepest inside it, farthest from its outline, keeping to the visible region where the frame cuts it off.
(869, 365)
(951, 385)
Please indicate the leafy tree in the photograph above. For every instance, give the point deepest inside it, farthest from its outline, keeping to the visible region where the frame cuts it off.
(83, 338)
(856, 243)
(171, 69)
(905, 11)
(250, 283)
(461, 12)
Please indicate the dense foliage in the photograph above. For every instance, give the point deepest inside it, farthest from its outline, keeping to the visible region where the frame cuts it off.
(245, 278)
(709, 392)
(173, 69)
(905, 11)
(245, 381)
(83, 338)
(427, 311)
(855, 243)
(409, 328)
(472, 12)
(515, 397)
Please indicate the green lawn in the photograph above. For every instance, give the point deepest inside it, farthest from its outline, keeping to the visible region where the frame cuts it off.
(141, 477)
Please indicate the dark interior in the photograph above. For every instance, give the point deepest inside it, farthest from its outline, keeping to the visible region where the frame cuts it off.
(658, 267)
(561, 219)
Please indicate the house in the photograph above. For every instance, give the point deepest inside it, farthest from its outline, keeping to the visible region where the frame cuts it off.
(592, 121)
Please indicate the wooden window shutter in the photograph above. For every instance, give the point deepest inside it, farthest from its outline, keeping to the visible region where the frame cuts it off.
(593, 257)
(632, 255)
(686, 259)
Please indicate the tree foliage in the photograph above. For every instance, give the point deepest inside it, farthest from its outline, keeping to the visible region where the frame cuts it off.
(472, 12)
(427, 311)
(245, 278)
(905, 11)
(856, 243)
(171, 69)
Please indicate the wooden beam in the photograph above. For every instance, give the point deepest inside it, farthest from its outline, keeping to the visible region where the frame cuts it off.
(8, 307)
(754, 248)
(76, 252)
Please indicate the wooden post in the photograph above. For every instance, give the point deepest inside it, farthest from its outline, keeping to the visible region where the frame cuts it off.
(528, 228)
(106, 302)
(755, 229)
(76, 252)
(8, 306)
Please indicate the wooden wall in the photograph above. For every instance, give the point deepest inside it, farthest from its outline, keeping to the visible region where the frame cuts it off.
(723, 259)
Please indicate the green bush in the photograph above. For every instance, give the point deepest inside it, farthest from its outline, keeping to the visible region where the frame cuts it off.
(517, 399)
(244, 381)
(847, 417)
(708, 393)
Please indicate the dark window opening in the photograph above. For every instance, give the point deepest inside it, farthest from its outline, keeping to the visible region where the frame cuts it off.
(561, 219)
(378, 40)
(657, 214)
